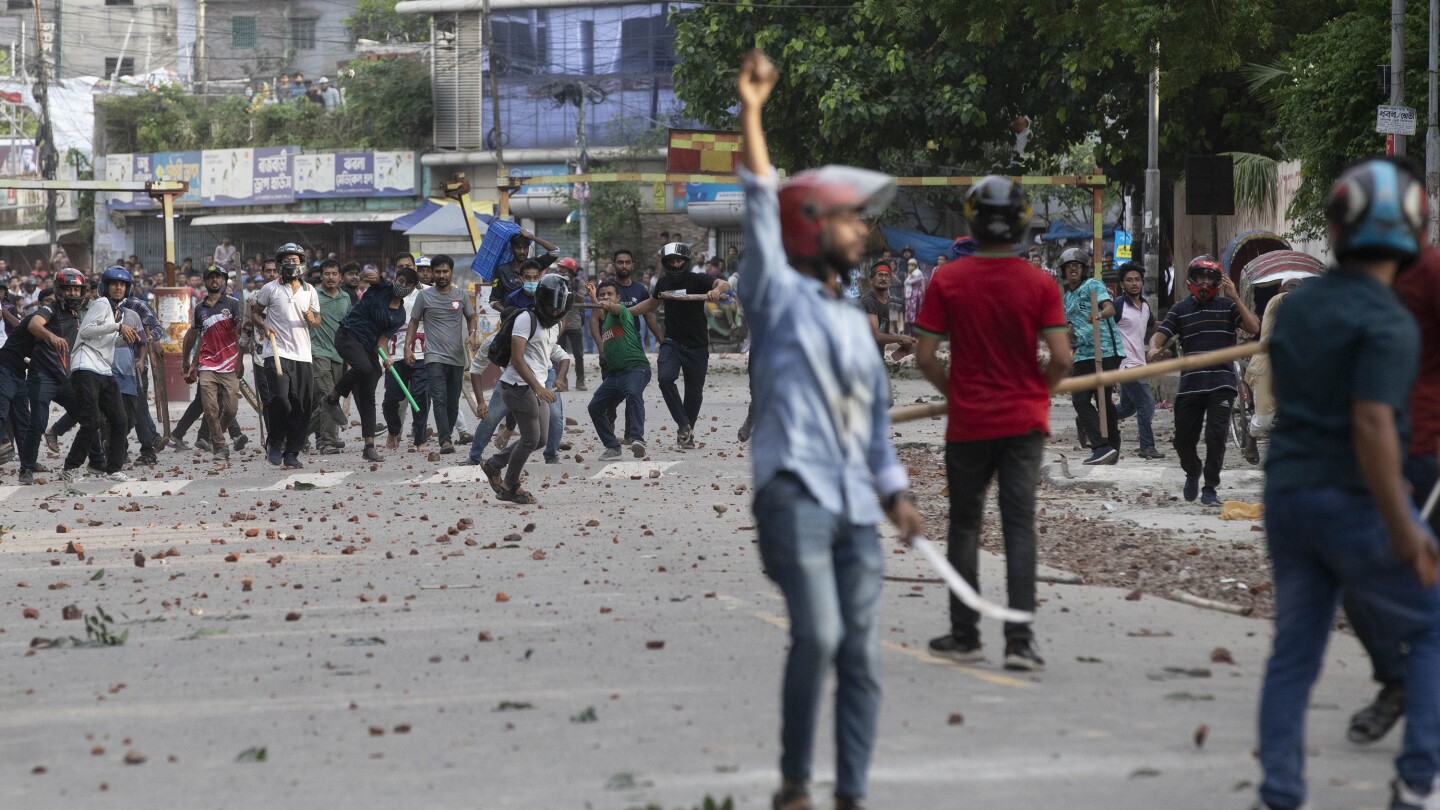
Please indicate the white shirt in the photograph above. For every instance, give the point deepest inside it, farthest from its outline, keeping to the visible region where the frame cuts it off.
(1132, 325)
(283, 308)
(541, 352)
(95, 348)
(224, 255)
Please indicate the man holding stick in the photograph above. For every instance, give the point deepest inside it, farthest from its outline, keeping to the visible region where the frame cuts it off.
(821, 448)
(360, 339)
(992, 307)
(1206, 321)
(1091, 313)
(285, 310)
(1344, 354)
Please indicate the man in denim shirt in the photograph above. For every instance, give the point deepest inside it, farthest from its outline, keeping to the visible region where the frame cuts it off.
(1344, 353)
(820, 447)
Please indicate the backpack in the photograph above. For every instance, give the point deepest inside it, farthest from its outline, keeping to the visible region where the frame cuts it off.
(499, 350)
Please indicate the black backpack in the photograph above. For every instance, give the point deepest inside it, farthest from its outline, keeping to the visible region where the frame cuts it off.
(499, 351)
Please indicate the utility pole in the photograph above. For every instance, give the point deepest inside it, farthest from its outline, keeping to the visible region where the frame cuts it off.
(44, 140)
(1152, 175)
(1397, 62)
(502, 174)
(1432, 127)
(202, 71)
(583, 164)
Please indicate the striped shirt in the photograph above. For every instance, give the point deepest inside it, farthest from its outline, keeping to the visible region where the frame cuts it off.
(820, 390)
(1204, 328)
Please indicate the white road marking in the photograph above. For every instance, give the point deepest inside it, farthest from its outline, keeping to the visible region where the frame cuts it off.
(145, 489)
(320, 480)
(626, 469)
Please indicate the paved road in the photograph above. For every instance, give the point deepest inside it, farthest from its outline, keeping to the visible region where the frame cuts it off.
(381, 661)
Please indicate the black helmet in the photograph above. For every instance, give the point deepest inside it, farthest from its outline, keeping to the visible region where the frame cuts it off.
(553, 298)
(996, 210)
(675, 250)
(289, 249)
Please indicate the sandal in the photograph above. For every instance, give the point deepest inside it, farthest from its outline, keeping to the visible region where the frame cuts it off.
(516, 495)
(492, 474)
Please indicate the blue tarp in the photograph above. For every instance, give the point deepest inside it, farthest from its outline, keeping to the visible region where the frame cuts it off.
(1059, 231)
(926, 247)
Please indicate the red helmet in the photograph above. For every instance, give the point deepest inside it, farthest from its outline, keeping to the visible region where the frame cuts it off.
(1203, 277)
(567, 263)
(810, 196)
(70, 277)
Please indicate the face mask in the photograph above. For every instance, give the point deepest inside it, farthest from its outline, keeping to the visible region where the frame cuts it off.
(530, 287)
(288, 272)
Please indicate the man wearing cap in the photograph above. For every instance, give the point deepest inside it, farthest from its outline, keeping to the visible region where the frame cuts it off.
(878, 311)
(330, 95)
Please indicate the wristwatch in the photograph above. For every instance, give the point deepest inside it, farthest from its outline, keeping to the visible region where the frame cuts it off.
(889, 501)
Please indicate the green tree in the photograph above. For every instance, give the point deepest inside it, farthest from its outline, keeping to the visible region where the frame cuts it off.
(378, 20)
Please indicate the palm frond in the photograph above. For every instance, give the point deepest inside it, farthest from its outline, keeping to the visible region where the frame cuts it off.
(1255, 180)
(1259, 78)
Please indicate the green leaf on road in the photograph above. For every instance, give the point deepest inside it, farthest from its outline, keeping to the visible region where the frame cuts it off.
(98, 575)
(1189, 696)
(514, 705)
(255, 754)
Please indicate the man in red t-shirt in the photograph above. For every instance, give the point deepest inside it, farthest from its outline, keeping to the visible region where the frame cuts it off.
(992, 307)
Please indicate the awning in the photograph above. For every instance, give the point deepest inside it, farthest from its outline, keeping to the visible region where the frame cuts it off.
(292, 218)
(33, 237)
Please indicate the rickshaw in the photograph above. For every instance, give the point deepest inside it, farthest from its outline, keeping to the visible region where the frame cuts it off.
(1245, 248)
(1260, 281)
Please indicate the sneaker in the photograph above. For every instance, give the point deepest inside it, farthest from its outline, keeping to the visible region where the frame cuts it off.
(492, 474)
(371, 454)
(52, 441)
(148, 458)
(1020, 655)
(158, 444)
(610, 454)
(1209, 498)
(1404, 797)
(92, 469)
(580, 386)
(502, 437)
(637, 448)
(1375, 721)
(948, 646)
(222, 454)
(272, 455)
(329, 450)
(338, 444)
(743, 434)
(204, 444)
(119, 477)
(1192, 487)
(552, 459)
(72, 474)
(238, 443)
(27, 478)
(334, 411)
(178, 443)
(292, 461)
(686, 438)
(465, 437)
(1151, 454)
(1104, 454)
(446, 448)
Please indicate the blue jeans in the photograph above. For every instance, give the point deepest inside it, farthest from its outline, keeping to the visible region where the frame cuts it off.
(498, 411)
(1137, 401)
(1323, 540)
(418, 381)
(694, 361)
(444, 381)
(44, 389)
(628, 386)
(829, 571)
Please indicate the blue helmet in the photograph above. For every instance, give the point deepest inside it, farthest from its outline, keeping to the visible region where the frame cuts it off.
(1379, 210)
(116, 273)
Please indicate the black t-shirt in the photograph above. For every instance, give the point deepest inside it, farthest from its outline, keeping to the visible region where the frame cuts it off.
(43, 356)
(18, 346)
(881, 311)
(685, 320)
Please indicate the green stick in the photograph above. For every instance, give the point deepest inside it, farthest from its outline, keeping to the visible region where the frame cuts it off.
(398, 381)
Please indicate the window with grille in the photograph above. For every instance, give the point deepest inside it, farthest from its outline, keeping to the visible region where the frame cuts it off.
(302, 34)
(126, 65)
(119, 2)
(18, 5)
(242, 32)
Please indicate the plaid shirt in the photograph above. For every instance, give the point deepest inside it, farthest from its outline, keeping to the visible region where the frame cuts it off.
(821, 393)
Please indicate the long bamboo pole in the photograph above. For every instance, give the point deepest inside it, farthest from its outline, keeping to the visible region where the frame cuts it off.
(907, 413)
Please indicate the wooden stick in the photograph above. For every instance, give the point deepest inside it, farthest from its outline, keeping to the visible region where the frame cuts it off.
(1210, 604)
(1099, 365)
(1189, 362)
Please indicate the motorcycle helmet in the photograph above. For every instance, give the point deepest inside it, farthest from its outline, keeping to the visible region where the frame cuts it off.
(1378, 210)
(290, 260)
(1203, 277)
(552, 299)
(676, 250)
(996, 210)
(116, 273)
(812, 195)
(70, 279)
